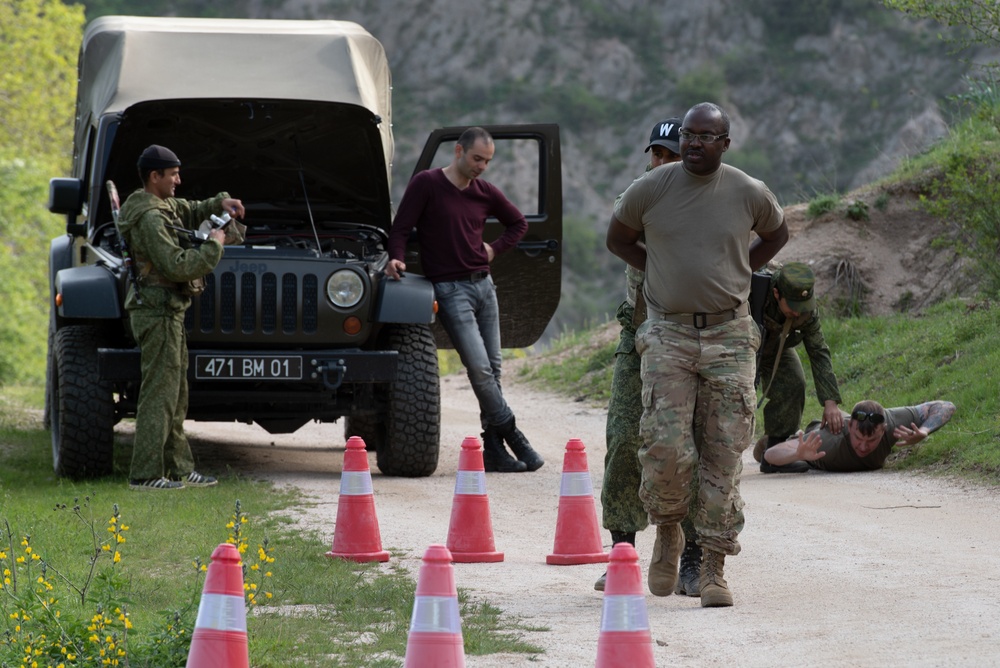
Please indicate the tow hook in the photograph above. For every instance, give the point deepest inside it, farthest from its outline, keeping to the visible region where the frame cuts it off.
(327, 368)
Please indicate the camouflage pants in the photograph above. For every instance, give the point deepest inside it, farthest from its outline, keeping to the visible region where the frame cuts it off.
(161, 449)
(786, 396)
(698, 414)
(622, 509)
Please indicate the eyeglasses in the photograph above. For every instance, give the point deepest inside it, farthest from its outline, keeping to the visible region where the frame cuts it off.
(874, 418)
(704, 139)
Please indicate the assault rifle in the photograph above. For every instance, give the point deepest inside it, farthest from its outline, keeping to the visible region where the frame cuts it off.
(126, 255)
(760, 286)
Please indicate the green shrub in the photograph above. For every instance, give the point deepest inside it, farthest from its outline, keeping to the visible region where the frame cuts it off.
(822, 204)
(857, 210)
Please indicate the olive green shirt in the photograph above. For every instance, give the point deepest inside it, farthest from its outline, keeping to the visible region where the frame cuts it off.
(698, 231)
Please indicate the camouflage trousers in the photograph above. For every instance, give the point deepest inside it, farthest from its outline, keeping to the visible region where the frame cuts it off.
(161, 448)
(786, 396)
(621, 507)
(698, 415)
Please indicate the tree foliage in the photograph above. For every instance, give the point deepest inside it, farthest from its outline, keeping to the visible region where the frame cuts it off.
(979, 20)
(39, 41)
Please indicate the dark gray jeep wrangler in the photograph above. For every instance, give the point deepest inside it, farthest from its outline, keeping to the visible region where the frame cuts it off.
(299, 323)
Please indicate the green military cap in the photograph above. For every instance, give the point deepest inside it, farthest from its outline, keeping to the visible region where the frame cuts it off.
(795, 282)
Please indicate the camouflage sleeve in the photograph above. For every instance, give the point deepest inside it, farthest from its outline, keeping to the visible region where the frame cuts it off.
(820, 361)
(159, 244)
(193, 213)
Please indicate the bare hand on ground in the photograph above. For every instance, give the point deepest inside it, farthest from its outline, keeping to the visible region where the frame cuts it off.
(908, 435)
(808, 450)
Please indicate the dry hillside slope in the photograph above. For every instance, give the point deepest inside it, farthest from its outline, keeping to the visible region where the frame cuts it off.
(890, 258)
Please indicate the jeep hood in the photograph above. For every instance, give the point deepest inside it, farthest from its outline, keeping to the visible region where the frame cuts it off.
(287, 113)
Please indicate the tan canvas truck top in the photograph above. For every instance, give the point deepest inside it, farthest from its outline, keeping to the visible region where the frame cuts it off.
(125, 60)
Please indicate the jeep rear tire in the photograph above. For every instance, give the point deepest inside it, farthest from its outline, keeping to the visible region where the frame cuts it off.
(407, 438)
(81, 406)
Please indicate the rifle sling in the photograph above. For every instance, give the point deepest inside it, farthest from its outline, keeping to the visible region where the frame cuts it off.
(777, 360)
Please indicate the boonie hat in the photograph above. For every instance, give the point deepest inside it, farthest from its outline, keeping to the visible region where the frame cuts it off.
(158, 157)
(666, 133)
(795, 283)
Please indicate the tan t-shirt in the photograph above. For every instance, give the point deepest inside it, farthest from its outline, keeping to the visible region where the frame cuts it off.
(697, 232)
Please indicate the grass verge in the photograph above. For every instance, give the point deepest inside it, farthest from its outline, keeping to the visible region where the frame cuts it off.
(321, 612)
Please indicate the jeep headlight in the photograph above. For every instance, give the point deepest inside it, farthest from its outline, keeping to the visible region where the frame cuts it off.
(345, 288)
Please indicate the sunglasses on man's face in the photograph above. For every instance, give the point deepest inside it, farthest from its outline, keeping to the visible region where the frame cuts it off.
(874, 418)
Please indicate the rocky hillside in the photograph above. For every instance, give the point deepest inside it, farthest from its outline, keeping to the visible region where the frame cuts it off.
(823, 96)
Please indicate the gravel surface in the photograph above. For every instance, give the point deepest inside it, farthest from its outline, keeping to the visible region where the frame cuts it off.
(872, 569)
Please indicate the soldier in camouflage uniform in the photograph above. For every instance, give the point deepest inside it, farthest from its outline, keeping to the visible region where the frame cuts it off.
(165, 262)
(791, 318)
(699, 343)
(622, 508)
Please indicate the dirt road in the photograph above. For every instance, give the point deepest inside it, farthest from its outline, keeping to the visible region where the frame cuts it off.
(875, 569)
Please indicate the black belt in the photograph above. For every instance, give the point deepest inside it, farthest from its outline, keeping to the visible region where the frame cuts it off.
(475, 277)
(702, 320)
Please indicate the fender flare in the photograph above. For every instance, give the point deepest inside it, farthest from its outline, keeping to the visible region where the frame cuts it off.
(410, 300)
(87, 292)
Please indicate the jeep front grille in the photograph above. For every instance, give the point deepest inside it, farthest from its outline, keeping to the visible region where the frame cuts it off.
(251, 305)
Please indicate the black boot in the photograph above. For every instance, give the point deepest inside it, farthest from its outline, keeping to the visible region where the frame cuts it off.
(623, 537)
(518, 443)
(616, 537)
(688, 584)
(495, 456)
(794, 467)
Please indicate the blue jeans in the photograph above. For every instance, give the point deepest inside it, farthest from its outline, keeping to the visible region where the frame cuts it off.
(468, 311)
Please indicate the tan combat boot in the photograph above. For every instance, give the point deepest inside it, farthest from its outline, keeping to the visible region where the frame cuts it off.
(714, 590)
(662, 577)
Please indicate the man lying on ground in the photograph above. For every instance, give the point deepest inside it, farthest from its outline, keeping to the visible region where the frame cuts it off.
(868, 440)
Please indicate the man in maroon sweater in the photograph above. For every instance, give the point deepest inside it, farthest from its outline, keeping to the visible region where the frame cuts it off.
(449, 208)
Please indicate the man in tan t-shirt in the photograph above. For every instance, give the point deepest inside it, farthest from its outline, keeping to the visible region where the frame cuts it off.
(699, 343)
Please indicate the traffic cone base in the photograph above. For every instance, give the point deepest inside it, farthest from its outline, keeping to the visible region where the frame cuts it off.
(356, 535)
(578, 536)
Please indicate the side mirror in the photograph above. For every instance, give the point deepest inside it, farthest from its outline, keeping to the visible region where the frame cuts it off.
(66, 197)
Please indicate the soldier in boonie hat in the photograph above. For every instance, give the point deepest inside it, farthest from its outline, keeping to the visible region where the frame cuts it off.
(792, 318)
(795, 282)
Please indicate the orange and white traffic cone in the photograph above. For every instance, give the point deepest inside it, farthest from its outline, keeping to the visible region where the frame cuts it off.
(578, 536)
(435, 628)
(470, 534)
(624, 641)
(220, 632)
(356, 536)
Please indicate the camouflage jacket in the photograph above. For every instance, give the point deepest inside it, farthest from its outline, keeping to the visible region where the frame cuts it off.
(806, 330)
(165, 259)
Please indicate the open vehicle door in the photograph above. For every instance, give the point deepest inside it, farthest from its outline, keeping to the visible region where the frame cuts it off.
(527, 167)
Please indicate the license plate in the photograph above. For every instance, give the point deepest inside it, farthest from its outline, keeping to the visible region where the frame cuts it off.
(248, 367)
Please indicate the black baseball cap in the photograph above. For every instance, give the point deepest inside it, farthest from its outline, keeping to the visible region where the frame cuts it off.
(667, 134)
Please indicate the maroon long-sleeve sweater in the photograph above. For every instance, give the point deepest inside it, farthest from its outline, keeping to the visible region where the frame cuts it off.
(450, 224)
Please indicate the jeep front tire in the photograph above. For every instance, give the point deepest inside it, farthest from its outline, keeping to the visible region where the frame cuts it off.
(81, 406)
(407, 437)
